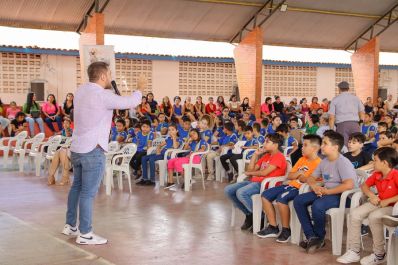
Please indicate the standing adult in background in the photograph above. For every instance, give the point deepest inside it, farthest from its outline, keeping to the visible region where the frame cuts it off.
(33, 114)
(346, 110)
(389, 103)
(94, 104)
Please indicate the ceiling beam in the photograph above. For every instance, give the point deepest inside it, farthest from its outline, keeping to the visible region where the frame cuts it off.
(377, 28)
(94, 6)
(262, 15)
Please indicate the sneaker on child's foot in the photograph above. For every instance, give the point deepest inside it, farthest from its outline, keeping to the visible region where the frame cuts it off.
(210, 177)
(70, 230)
(315, 243)
(303, 244)
(372, 259)
(268, 232)
(349, 257)
(90, 239)
(230, 176)
(150, 183)
(284, 236)
(248, 223)
(169, 185)
(142, 182)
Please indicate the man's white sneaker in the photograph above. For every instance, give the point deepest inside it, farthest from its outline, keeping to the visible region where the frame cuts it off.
(70, 231)
(349, 257)
(372, 260)
(90, 239)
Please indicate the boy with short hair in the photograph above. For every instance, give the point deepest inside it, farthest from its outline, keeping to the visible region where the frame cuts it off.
(67, 131)
(183, 131)
(355, 154)
(381, 127)
(163, 125)
(228, 140)
(338, 176)
(324, 124)
(271, 164)
(120, 134)
(285, 193)
(143, 140)
(251, 143)
(246, 119)
(289, 140)
(257, 133)
(386, 139)
(264, 126)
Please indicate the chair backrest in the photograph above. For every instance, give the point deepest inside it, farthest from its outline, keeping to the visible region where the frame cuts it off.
(361, 177)
(20, 138)
(113, 146)
(53, 144)
(130, 150)
(68, 142)
(36, 142)
(156, 142)
(288, 167)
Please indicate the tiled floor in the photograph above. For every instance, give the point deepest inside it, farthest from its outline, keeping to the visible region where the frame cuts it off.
(151, 226)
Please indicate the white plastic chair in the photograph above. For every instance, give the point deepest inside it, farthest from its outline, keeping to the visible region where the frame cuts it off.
(113, 147)
(392, 249)
(219, 169)
(192, 166)
(6, 148)
(162, 164)
(155, 143)
(256, 199)
(52, 144)
(245, 160)
(34, 143)
(121, 163)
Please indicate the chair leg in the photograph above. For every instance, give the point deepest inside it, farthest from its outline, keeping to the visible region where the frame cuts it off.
(129, 178)
(257, 211)
(120, 180)
(203, 179)
(337, 220)
(37, 165)
(233, 214)
(21, 161)
(187, 177)
(5, 157)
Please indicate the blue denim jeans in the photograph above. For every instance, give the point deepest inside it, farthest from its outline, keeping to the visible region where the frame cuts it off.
(241, 195)
(151, 159)
(50, 125)
(88, 169)
(319, 206)
(31, 122)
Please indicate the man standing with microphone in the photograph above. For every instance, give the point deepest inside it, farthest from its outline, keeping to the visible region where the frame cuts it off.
(94, 103)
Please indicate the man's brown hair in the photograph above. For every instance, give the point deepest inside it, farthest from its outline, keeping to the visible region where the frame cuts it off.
(95, 70)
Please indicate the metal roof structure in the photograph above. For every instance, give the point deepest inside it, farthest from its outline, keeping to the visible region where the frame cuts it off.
(331, 24)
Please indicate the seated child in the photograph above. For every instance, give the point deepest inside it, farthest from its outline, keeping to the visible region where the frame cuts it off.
(194, 144)
(143, 140)
(338, 176)
(257, 134)
(183, 131)
(240, 126)
(288, 140)
(271, 164)
(251, 143)
(368, 128)
(120, 134)
(163, 125)
(18, 124)
(312, 123)
(386, 139)
(295, 130)
(381, 127)
(246, 119)
(283, 194)
(275, 122)
(385, 179)
(67, 131)
(219, 129)
(355, 154)
(324, 124)
(264, 126)
(172, 141)
(227, 141)
(204, 126)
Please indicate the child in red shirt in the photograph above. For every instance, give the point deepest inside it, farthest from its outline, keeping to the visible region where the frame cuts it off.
(385, 178)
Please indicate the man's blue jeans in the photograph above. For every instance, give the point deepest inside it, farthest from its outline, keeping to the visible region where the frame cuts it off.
(151, 159)
(319, 206)
(241, 195)
(88, 169)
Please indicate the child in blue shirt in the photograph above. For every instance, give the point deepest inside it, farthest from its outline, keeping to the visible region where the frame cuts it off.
(177, 109)
(183, 131)
(204, 126)
(219, 130)
(275, 122)
(172, 141)
(194, 144)
(251, 143)
(67, 131)
(257, 133)
(370, 148)
(120, 134)
(226, 141)
(289, 141)
(240, 126)
(264, 127)
(143, 140)
(163, 125)
(246, 119)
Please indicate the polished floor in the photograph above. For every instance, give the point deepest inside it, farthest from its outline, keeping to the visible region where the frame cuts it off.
(150, 226)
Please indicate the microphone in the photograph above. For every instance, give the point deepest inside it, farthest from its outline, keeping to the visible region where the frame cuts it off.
(113, 83)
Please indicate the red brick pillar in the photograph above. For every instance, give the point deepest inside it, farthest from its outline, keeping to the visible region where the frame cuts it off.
(96, 25)
(248, 57)
(365, 70)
